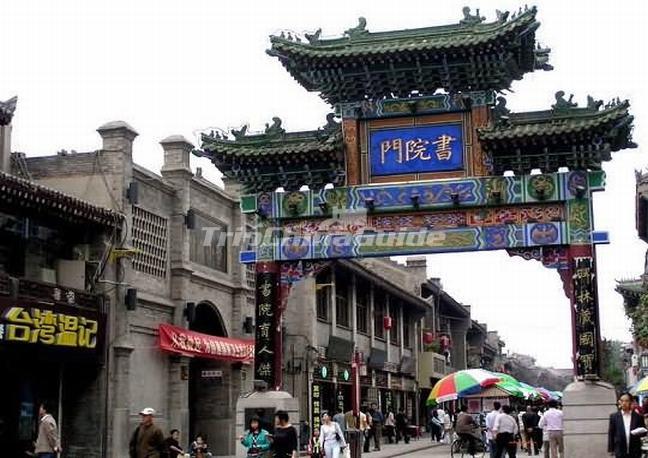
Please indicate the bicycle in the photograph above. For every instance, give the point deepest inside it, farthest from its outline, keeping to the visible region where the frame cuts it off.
(459, 448)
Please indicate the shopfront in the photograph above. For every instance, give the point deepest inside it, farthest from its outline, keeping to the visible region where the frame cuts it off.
(50, 353)
(214, 364)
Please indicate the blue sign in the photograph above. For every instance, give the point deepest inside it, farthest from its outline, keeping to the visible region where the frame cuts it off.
(433, 148)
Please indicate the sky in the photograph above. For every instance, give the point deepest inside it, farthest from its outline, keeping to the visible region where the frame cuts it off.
(171, 67)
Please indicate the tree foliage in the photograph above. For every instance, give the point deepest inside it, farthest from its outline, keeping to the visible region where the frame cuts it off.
(639, 317)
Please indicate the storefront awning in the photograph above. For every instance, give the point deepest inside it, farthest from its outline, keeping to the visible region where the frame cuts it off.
(195, 344)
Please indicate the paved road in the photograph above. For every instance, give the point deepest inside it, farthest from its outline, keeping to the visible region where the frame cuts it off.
(436, 452)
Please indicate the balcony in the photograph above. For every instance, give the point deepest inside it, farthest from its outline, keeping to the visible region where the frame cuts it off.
(48, 292)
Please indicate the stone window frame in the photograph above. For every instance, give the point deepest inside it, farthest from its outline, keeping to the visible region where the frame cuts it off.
(224, 228)
(363, 299)
(342, 302)
(380, 308)
(323, 296)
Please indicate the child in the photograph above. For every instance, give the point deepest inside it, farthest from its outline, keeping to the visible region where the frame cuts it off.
(314, 446)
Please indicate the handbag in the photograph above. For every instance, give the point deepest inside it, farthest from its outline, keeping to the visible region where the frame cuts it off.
(347, 453)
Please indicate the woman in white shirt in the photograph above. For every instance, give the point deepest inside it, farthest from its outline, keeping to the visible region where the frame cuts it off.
(331, 437)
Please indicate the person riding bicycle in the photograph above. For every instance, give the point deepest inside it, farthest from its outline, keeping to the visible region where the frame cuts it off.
(468, 430)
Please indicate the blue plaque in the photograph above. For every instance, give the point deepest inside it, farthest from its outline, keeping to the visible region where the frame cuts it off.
(433, 148)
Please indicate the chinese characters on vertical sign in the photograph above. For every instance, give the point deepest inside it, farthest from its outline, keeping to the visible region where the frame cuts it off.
(585, 313)
(316, 406)
(266, 293)
(56, 327)
(431, 148)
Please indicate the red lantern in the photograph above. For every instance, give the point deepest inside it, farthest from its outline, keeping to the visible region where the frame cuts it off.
(428, 337)
(387, 322)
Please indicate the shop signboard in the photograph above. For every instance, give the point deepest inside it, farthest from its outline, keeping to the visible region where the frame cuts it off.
(49, 326)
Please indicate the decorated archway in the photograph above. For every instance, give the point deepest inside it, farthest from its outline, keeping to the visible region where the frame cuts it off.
(427, 158)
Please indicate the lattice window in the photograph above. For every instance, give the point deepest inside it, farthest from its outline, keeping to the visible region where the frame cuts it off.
(150, 238)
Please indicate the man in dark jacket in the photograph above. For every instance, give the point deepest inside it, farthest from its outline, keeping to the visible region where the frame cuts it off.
(530, 421)
(147, 440)
(622, 443)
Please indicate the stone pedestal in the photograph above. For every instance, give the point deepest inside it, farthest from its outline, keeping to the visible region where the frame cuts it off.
(587, 409)
(270, 401)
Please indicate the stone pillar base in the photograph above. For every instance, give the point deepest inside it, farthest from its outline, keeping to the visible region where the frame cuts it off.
(270, 401)
(587, 409)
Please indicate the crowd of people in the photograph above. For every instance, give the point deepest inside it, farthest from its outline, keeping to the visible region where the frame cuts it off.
(500, 432)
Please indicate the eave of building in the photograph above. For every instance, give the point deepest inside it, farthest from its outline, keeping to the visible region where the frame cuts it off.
(456, 57)
(456, 309)
(25, 196)
(413, 302)
(290, 160)
(577, 138)
(631, 288)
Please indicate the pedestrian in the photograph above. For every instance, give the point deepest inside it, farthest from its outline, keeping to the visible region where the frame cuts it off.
(341, 421)
(199, 448)
(284, 443)
(531, 421)
(172, 447)
(256, 439)
(365, 428)
(314, 447)
(552, 421)
(505, 430)
(377, 422)
(467, 430)
(524, 437)
(331, 438)
(147, 440)
(625, 430)
(490, 424)
(390, 426)
(402, 426)
(48, 443)
(436, 426)
(447, 428)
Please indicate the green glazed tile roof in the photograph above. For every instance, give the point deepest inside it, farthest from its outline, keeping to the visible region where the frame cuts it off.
(548, 123)
(290, 145)
(472, 55)
(290, 160)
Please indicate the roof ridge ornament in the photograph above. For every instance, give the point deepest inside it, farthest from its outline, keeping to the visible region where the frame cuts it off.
(239, 134)
(275, 129)
(500, 112)
(331, 123)
(563, 105)
(471, 19)
(359, 30)
(502, 16)
(314, 37)
(7, 110)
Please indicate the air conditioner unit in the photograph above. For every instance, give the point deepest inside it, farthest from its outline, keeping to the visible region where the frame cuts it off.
(71, 274)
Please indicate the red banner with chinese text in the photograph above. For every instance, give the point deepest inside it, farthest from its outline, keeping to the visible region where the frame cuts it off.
(195, 344)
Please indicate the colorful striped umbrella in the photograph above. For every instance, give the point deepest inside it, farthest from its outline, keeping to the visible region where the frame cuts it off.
(529, 391)
(461, 383)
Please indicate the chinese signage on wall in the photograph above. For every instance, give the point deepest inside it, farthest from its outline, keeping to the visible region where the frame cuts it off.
(316, 406)
(585, 311)
(430, 148)
(266, 294)
(50, 326)
(190, 343)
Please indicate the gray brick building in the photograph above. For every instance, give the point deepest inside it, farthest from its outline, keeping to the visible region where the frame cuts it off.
(169, 264)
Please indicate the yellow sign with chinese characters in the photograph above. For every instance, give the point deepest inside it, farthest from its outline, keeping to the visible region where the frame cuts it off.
(54, 327)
